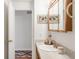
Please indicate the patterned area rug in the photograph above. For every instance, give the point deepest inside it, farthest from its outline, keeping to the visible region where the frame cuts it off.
(25, 54)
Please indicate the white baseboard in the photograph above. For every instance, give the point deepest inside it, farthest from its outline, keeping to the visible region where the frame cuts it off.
(22, 49)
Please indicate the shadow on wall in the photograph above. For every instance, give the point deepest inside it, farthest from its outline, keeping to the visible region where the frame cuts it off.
(69, 52)
(5, 31)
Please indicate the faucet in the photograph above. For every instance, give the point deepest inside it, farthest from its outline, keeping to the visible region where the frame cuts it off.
(50, 41)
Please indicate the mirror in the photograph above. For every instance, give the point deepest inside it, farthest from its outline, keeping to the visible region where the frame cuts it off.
(59, 13)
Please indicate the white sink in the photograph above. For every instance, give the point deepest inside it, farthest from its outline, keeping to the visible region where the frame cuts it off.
(47, 48)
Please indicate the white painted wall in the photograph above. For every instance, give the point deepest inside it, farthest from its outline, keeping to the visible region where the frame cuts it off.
(22, 0)
(22, 5)
(66, 39)
(40, 8)
(23, 30)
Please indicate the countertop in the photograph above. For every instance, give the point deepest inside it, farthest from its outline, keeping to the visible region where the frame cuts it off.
(49, 55)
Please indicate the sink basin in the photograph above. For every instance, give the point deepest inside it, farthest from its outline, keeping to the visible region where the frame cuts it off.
(47, 48)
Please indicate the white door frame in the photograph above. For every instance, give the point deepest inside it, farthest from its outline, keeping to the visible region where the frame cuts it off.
(11, 31)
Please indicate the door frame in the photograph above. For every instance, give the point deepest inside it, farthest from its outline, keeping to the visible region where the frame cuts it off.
(10, 30)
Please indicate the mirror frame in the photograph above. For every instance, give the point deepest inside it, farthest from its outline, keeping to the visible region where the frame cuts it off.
(50, 6)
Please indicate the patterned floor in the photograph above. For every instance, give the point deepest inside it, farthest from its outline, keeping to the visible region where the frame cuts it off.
(23, 54)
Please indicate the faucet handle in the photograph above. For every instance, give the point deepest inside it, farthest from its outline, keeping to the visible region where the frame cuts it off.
(61, 49)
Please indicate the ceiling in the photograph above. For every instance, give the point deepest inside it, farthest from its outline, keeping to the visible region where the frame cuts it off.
(22, 0)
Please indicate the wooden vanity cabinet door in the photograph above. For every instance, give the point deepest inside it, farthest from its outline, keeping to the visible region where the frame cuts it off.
(68, 19)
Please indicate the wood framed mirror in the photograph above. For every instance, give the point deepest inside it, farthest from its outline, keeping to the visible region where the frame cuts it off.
(60, 15)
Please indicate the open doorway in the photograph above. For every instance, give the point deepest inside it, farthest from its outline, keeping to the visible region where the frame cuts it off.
(23, 34)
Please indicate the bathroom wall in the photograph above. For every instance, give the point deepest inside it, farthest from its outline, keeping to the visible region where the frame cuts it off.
(23, 30)
(40, 8)
(21, 5)
(67, 39)
(6, 29)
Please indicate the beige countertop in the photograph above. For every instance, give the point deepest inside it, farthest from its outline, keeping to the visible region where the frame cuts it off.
(50, 54)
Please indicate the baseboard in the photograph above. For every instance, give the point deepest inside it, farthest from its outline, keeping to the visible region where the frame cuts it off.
(22, 49)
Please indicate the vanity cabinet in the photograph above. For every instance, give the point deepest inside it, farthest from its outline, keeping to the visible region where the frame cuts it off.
(60, 15)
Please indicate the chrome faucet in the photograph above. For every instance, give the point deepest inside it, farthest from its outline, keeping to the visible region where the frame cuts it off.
(48, 41)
